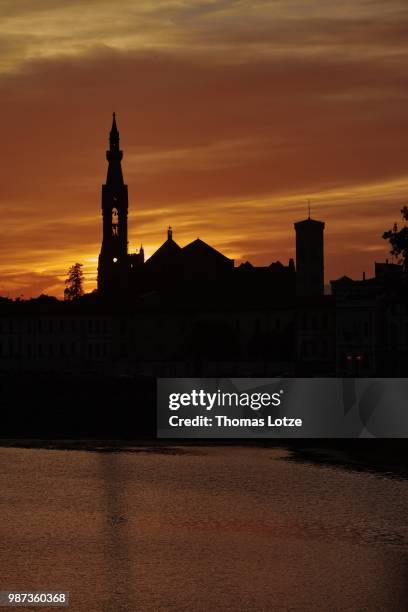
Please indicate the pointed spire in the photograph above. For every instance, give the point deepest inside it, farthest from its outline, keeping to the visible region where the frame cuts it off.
(114, 135)
(114, 127)
(114, 156)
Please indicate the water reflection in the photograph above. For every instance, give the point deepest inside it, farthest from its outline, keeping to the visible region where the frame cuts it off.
(115, 533)
(203, 528)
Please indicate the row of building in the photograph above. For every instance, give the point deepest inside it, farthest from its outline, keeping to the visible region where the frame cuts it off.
(355, 332)
(191, 312)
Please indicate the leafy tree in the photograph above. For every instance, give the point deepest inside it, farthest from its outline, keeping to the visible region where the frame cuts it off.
(74, 283)
(398, 239)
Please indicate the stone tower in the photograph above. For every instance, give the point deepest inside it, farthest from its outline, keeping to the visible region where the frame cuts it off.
(309, 257)
(113, 259)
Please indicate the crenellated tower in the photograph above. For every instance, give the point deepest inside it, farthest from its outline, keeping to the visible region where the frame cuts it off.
(113, 259)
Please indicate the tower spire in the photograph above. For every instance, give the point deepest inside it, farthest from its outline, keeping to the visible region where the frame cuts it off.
(114, 156)
(113, 258)
(114, 135)
(114, 128)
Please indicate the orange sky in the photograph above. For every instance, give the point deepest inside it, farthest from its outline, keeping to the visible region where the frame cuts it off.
(232, 114)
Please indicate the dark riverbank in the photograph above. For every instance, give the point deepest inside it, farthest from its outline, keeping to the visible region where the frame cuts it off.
(76, 407)
(111, 414)
(386, 457)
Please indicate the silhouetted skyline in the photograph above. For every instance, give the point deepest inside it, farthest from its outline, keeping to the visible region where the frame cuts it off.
(233, 117)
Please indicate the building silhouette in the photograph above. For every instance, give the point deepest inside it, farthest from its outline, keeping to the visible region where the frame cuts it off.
(189, 311)
(122, 273)
(309, 257)
(113, 259)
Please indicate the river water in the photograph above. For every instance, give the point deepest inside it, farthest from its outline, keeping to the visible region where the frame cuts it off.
(201, 528)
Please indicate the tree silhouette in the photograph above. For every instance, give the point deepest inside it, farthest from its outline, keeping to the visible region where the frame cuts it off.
(398, 239)
(74, 283)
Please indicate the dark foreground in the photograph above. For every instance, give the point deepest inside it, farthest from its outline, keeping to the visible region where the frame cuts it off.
(79, 412)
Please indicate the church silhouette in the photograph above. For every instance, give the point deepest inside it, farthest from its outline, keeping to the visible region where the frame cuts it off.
(190, 311)
(197, 263)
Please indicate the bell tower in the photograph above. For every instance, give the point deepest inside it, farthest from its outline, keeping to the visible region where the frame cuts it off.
(309, 257)
(113, 259)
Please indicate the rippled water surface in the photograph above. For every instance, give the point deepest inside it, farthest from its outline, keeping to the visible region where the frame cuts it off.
(203, 528)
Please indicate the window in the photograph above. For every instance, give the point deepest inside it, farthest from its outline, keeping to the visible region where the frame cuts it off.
(115, 220)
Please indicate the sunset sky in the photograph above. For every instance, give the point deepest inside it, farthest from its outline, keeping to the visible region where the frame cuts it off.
(232, 114)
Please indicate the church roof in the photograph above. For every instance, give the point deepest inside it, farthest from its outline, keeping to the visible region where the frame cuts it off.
(166, 251)
(200, 248)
